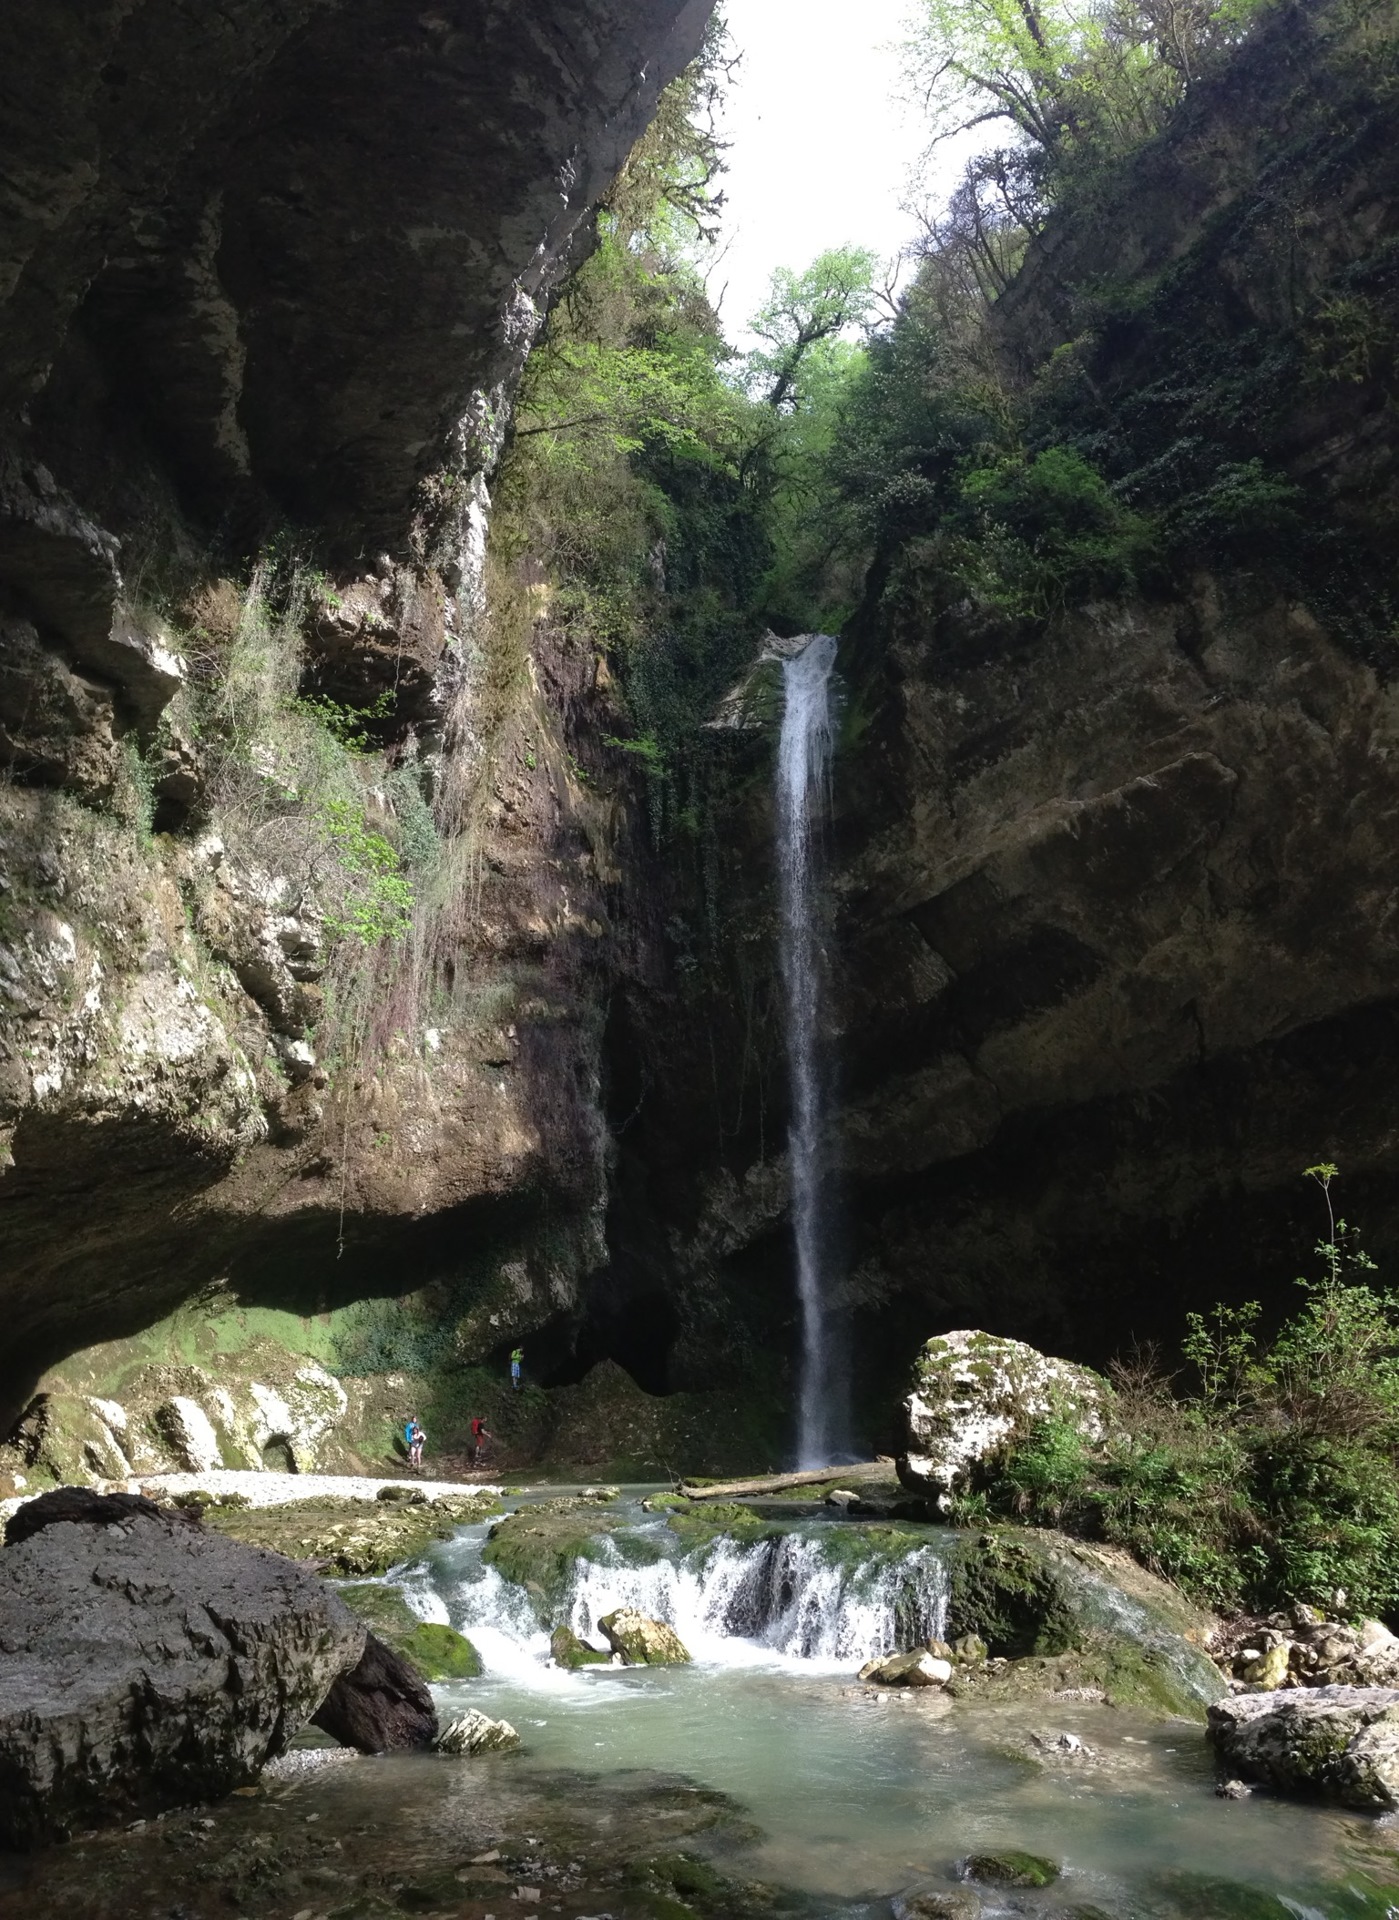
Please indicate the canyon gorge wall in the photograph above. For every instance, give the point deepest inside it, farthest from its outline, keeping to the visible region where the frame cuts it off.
(267, 278)
(1112, 886)
(1114, 951)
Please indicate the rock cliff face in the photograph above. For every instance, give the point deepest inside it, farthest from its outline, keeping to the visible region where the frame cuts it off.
(278, 269)
(1116, 889)
(1112, 954)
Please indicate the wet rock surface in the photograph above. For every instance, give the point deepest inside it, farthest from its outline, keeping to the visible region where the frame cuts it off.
(919, 1668)
(475, 1732)
(434, 1651)
(419, 1834)
(352, 1537)
(642, 1642)
(1337, 1743)
(148, 1663)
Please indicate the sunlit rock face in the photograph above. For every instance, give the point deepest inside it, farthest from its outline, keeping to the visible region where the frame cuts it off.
(279, 267)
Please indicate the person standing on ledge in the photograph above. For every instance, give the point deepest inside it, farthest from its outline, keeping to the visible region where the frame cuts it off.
(517, 1360)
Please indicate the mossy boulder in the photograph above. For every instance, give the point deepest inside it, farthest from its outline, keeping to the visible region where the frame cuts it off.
(1005, 1590)
(538, 1548)
(642, 1642)
(1058, 1614)
(1200, 1896)
(438, 1652)
(972, 1392)
(1010, 1868)
(567, 1650)
(698, 1523)
(352, 1536)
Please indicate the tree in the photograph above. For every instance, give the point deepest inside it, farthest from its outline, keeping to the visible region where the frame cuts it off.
(803, 310)
(1071, 79)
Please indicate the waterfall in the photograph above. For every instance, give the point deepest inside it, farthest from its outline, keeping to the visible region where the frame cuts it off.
(735, 1602)
(803, 773)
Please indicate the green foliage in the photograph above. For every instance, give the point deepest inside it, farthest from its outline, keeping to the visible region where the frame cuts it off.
(803, 313)
(378, 904)
(1072, 81)
(1274, 1481)
(136, 792)
(636, 478)
(288, 773)
(1045, 530)
(348, 725)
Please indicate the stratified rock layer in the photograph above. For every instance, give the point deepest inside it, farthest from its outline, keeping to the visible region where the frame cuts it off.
(148, 1664)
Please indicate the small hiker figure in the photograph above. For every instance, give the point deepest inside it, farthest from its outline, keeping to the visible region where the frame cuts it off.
(517, 1360)
(480, 1435)
(414, 1437)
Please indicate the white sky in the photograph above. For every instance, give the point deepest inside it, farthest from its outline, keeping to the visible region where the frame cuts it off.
(821, 145)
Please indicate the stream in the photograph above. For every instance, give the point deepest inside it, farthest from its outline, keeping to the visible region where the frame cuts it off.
(762, 1782)
(859, 1795)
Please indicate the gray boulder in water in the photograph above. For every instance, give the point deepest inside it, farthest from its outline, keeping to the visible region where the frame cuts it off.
(148, 1664)
(1341, 1743)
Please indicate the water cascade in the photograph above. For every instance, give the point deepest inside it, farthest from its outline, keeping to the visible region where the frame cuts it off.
(803, 775)
(733, 1603)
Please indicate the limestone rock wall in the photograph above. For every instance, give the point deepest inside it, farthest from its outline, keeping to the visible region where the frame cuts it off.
(270, 277)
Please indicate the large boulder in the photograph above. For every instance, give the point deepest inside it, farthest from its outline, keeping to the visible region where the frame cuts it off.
(642, 1642)
(380, 1705)
(973, 1391)
(1340, 1743)
(147, 1664)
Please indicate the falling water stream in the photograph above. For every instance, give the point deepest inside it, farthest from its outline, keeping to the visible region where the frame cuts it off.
(803, 776)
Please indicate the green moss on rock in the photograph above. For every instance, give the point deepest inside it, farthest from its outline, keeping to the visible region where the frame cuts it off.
(537, 1549)
(1011, 1868)
(567, 1650)
(1004, 1591)
(438, 1652)
(352, 1536)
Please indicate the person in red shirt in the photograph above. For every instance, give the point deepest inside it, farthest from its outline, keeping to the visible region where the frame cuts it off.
(480, 1434)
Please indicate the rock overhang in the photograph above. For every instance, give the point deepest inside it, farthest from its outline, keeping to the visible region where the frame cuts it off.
(293, 242)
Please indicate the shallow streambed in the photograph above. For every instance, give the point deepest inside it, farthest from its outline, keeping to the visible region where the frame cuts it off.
(858, 1795)
(764, 1761)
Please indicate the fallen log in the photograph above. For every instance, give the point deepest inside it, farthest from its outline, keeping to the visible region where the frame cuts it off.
(780, 1482)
